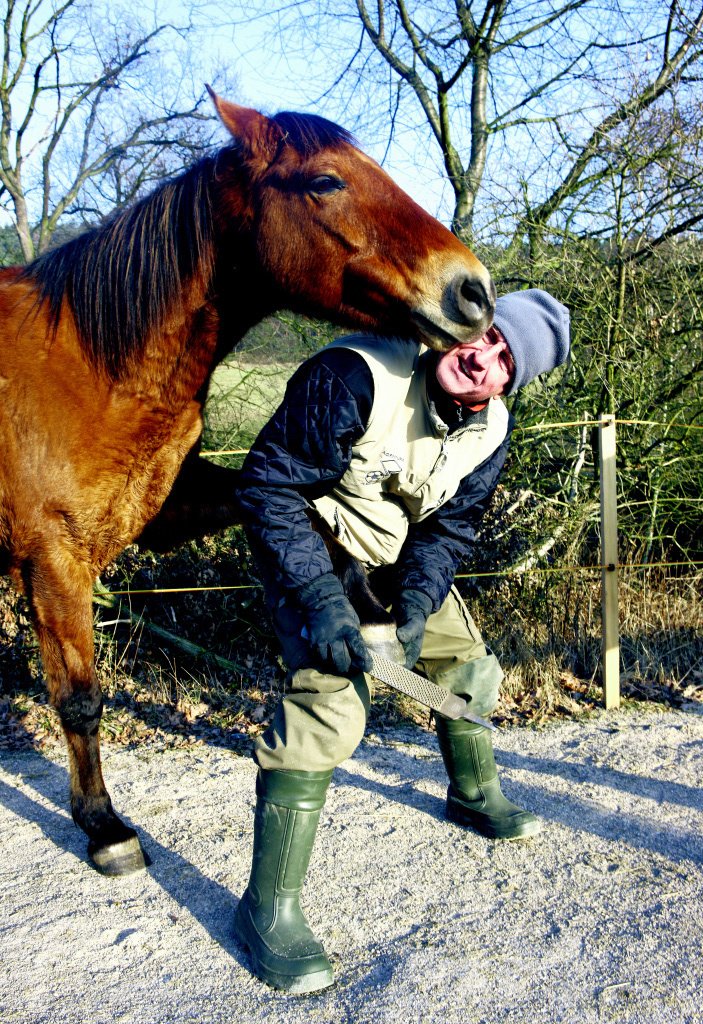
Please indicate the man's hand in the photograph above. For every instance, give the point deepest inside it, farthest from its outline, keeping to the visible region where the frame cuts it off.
(332, 627)
(411, 609)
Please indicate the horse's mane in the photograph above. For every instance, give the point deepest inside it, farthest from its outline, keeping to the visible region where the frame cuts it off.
(124, 277)
(309, 133)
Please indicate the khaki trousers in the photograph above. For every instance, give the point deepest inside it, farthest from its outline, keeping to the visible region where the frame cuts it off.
(321, 719)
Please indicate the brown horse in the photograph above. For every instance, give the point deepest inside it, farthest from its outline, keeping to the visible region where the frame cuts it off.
(107, 344)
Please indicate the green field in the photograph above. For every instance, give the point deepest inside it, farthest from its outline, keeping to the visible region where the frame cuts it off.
(242, 397)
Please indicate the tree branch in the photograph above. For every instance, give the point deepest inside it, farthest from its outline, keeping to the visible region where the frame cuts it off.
(655, 88)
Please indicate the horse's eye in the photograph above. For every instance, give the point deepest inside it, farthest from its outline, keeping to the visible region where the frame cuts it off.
(325, 184)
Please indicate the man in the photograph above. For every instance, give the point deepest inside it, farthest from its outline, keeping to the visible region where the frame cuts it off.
(399, 451)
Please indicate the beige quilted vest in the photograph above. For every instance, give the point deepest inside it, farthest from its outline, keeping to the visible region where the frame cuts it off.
(406, 464)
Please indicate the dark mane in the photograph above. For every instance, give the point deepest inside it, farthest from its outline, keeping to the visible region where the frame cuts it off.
(309, 133)
(123, 278)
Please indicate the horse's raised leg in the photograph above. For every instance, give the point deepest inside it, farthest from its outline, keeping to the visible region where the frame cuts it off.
(60, 595)
(203, 500)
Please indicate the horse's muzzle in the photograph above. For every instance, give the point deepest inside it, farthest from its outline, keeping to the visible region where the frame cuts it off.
(461, 313)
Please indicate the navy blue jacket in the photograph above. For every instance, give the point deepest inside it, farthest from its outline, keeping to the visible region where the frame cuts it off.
(304, 450)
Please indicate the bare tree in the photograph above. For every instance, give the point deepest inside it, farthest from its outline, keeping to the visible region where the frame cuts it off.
(450, 60)
(94, 104)
(521, 101)
(634, 138)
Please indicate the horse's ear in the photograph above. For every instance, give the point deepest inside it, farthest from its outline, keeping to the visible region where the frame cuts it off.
(255, 132)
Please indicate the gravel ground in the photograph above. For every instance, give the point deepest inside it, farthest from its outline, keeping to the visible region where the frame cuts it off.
(600, 918)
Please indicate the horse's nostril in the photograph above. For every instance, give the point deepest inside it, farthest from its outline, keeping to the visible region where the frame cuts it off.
(468, 304)
(474, 299)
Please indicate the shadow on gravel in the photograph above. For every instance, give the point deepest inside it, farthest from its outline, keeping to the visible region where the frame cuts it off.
(209, 902)
(620, 824)
(56, 826)
(406, 793)
(658, 790)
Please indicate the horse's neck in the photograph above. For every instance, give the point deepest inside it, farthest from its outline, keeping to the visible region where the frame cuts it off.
(178, 356)
(211, 311)
(178, 359)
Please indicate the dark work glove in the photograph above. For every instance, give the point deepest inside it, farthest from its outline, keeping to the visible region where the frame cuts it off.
(332, 626)
(411, 610)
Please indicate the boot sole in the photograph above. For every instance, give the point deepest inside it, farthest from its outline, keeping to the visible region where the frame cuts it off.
(295, 984)
(477, 822)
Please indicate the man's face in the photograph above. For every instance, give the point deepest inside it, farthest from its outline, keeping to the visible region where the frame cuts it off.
(473, 373)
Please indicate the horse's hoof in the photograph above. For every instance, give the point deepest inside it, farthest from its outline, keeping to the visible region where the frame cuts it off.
(119, 858)
(381, 639)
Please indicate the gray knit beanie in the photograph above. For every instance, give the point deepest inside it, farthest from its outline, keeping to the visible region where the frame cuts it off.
(536, 327)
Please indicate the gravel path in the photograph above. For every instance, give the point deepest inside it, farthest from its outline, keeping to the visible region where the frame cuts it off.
(598, 919)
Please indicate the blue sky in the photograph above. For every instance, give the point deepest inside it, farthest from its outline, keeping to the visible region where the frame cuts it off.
(290, 68)
(267, 79)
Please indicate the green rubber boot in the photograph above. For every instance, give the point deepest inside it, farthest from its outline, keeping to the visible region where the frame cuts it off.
(474, 797)
(269, 922)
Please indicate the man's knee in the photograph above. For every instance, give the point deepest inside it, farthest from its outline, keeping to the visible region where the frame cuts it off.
(477, 681)
(348, 738)
(318, 724)
(339, 709)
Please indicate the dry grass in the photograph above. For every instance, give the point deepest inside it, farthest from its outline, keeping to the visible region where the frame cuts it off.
(546, 633)
(241, 399)
(544, 630)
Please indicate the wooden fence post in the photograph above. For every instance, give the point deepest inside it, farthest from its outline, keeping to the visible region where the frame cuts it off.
(609, 560)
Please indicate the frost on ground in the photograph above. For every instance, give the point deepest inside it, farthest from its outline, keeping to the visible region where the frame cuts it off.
(600, 918)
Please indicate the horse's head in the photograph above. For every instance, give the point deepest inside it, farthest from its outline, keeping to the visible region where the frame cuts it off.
(335, 237)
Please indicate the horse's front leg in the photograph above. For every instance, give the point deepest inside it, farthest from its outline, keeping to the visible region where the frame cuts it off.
(60, 596)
